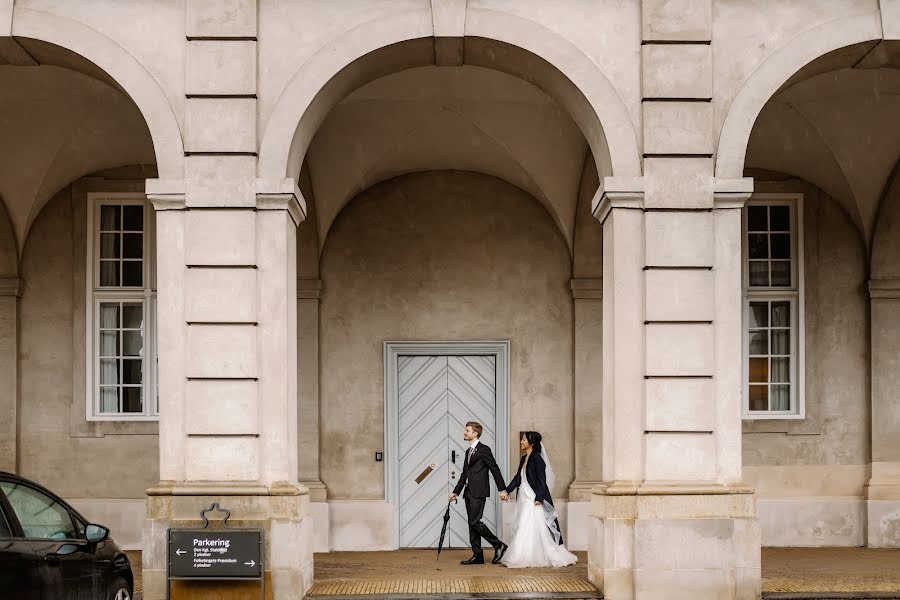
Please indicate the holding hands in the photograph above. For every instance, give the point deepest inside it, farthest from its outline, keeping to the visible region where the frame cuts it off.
(504, 496)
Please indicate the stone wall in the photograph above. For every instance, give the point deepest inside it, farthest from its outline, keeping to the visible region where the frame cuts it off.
(441, 256)
(810, 473)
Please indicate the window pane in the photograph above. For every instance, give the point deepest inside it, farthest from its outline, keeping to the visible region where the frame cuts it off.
(759, 273)
(131, 400)
(781, 370)
(131, 372)
(781, 314)
(780, 218)
(781, 342)
(781, 245)
(109, 399)
(5, 529)
(759, 315)
(110, 218)
(759, 343)
(132, 343)
(133, 273)
(758, 245)
(132, 314)
(781, 272)
(756, 218)
(109, 315)
(132, 245)
(39, 515)
(109, 343)
(759, 397)
(109, 272)
(759, 370)
(781, 397)
(133, 217)
(109, 371)
(109, 245)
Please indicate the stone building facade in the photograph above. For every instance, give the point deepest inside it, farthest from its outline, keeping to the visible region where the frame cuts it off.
(673, 222)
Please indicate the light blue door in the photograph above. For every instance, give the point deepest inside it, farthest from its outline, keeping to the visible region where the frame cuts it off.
(437, 396)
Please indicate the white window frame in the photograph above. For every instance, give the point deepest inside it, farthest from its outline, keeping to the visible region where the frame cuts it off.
(95, 294)
(793, 294)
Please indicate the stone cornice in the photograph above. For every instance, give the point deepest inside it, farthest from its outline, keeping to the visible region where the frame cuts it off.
(281, 195)
(888, 288)
(309, 289)
(11, 286)
(732, 193)
(617, 192)
(584, 288)
(165, 194)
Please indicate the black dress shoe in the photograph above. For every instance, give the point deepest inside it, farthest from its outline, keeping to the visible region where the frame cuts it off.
(475, 560)
(499, 552)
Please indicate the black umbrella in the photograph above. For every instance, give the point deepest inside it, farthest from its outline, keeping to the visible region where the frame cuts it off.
(444, 529)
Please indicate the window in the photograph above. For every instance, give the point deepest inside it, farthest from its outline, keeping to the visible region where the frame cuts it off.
(40, 516)
(773, 308)
(121, 340)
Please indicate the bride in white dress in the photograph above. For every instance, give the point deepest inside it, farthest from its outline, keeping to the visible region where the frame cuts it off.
(536, 539)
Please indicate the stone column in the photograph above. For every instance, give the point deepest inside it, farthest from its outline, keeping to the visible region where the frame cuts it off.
(883, 487)
(227, 323)
(672, 518)
(10, 292)
(587, 296)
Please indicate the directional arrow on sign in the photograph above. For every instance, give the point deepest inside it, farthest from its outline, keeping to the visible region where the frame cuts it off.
(179, 552)
(252, 563)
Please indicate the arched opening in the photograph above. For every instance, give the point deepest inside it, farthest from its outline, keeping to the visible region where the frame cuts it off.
(817, 387)
(446, 204)
(78, 376)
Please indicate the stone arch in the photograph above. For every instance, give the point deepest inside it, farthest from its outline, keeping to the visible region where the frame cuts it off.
(777, 69)
(406, 41)
(125, 70)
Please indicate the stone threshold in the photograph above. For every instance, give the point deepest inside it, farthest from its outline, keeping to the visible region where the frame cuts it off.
(470, 596)
(831, 596)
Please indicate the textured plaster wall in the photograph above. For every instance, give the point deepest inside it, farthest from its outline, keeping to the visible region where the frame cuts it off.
(836, 430)
(112, 466)
(443, 255)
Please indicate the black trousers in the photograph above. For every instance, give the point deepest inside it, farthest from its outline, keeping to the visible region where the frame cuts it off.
(477, 529)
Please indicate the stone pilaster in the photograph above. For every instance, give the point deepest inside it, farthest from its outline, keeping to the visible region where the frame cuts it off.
(227, 319)
(308, 295)
(587, 297)
(10, 292)
(672, 518)
(883, 487)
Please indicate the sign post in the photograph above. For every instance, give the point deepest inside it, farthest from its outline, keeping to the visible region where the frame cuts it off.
(206, 554)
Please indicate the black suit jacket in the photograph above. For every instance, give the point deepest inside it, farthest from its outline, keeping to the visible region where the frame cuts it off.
(536, 472)
(475, 474)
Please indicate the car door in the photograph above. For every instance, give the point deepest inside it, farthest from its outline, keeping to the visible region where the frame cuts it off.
(65, 560)
(19, 574)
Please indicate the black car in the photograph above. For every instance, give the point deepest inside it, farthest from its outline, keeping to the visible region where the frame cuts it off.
(50, 552)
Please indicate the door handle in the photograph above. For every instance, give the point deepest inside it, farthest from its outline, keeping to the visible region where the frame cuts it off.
(453, 456)
(425, 473)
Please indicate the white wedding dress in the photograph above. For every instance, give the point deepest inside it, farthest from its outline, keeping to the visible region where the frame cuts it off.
(533, 543)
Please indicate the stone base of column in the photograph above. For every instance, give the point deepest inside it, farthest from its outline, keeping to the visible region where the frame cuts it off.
(674, 542)
(282, 511)
(321, 514)
(883, 506)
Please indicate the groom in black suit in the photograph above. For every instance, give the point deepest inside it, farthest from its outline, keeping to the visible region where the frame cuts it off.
(479, 461)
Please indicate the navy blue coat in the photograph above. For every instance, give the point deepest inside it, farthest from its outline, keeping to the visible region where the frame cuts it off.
(536, 471)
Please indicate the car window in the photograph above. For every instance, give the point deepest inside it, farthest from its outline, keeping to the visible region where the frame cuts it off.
(40, 516)
(5, 529)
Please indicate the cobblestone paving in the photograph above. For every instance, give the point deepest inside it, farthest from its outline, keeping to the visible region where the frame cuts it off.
(823, 570)
(809, 572)
(420, 572)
